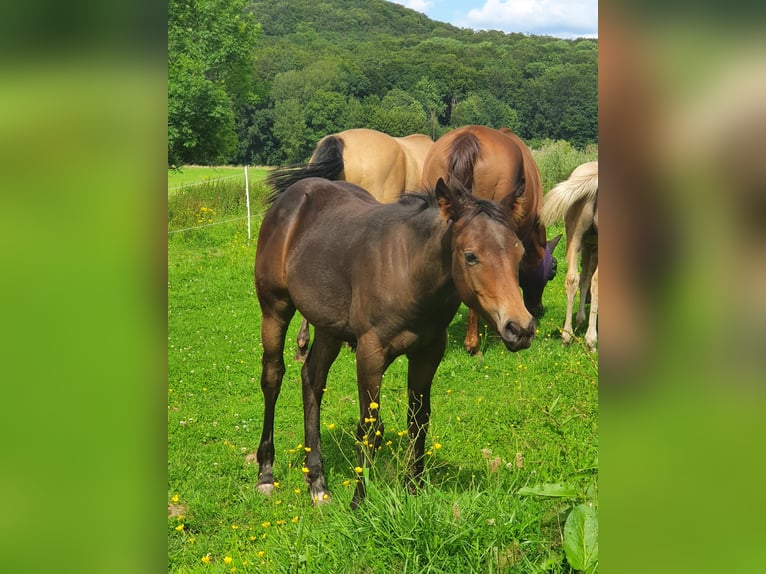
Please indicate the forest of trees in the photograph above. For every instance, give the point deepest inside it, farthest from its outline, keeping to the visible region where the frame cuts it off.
(260, 82)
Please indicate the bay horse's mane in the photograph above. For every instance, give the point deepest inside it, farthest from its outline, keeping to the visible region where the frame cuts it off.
(491, 209)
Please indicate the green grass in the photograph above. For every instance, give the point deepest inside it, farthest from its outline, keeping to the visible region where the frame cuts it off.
(500, 421)
(195, 175)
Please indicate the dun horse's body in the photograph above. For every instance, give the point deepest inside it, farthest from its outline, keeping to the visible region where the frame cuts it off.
(497, 165)
(383, 165)
(575, 200)
(387, 277)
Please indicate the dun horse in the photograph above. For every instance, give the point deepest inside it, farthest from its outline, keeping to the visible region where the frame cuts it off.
(388, 278)
(383, 165)
(497, 165)
(575, 200)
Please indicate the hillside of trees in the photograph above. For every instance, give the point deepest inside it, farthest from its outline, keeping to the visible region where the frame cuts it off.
(260, 82)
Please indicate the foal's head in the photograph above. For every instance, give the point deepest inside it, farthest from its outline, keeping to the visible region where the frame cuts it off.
(486, 253)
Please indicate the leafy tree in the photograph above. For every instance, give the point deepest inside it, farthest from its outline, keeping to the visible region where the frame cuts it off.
(290, 130)
(210, 55)
(485, 109)
(399, 115)
(431, 98)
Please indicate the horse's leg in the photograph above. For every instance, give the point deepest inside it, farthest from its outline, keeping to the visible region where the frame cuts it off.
(585, 277)
(591, 335)
(471, 342)
(570, 285)
(371, 362)
(420, 374)
(303, 339)
(273, 330)
(314, 377)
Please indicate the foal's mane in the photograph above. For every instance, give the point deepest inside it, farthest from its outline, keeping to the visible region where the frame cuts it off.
(427, 199)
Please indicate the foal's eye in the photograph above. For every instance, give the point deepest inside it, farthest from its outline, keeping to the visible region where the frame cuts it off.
(471, 258)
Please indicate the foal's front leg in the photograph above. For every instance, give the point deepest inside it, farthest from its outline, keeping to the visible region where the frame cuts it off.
(420, 374)
(371, 362)
(314, 378)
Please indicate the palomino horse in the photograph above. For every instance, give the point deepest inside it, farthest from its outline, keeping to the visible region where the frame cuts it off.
(497, 165)
(383, 165)
(576, 201)
(388, 278)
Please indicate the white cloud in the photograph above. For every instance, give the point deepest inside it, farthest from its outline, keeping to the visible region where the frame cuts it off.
(419, 5)
(563, 18)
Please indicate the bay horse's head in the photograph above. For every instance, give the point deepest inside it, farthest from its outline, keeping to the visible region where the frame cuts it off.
(486, 253)
(533, 281)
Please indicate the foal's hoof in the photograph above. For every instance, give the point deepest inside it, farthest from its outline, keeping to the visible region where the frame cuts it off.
(265, 488)
(321, 498)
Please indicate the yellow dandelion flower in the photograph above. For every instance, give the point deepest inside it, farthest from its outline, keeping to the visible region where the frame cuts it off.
(297, 490)
(227, 559)
(437, 446)
(192, 540)
(266, 524)
(307, 448)
(261, 554)
(276, 484)
(304, 470)
(331, 426)
(359, 470)
(205, 559)
(234, 527)
(374, 406)
(294, 519)
(370, 419)
(378, 433)
(281, 522)
(253, 538)
(388, 443)
(346, 482)
(401, 433)
(449, 391)
(175, 498)
(180, 528)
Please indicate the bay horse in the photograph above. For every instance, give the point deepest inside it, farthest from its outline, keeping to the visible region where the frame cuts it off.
(383, 165)
(387, 278)
(576, 201)
(497, 165)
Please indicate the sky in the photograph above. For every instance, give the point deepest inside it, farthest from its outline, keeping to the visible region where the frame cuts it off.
(560, 18)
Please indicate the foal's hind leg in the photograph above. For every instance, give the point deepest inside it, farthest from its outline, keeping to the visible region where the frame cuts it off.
(273, 330)
(314, 377)
(572, 278)
(591, 335)
(586, 263)
(303, 339)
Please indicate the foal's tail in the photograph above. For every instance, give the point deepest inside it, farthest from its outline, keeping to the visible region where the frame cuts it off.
(582, 184)
(326, 162)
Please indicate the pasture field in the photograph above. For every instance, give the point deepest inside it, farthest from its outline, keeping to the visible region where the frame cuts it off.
(512, 447)
(197, 174)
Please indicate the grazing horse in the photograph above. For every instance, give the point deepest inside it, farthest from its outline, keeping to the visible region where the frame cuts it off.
(388, 278)
(497, 165)
(576, 201)
(383, 165)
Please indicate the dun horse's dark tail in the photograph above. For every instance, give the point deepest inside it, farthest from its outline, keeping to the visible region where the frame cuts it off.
(465, 150)
(326, 162)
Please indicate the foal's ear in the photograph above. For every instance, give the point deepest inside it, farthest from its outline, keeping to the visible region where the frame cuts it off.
(451, 199)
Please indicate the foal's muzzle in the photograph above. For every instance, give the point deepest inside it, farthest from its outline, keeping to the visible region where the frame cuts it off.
(515, 337)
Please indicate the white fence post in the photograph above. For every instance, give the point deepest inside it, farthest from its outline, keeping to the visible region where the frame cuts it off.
(247, 201)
